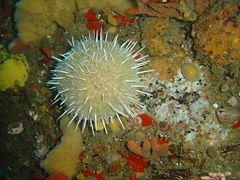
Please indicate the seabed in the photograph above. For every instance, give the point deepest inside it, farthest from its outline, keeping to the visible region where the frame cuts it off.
(189, 126)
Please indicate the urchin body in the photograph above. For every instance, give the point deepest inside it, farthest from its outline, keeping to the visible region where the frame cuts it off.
(98, 79)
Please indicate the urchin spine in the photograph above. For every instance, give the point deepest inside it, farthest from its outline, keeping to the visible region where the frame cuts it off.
(104, 53)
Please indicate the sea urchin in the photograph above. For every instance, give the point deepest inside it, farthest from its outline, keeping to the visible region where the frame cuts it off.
(98, 79)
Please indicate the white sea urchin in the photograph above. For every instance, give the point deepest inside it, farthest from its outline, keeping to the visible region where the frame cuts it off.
(98, 79)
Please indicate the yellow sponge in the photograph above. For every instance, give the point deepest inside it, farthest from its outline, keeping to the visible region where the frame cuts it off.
(63, 158)
(13, 70)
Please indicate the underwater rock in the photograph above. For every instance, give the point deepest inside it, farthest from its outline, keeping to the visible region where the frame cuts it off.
(217, 32)
(233, 101)
(226, 116)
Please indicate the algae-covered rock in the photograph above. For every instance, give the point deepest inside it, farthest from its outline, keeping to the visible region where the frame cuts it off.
(217, 33)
